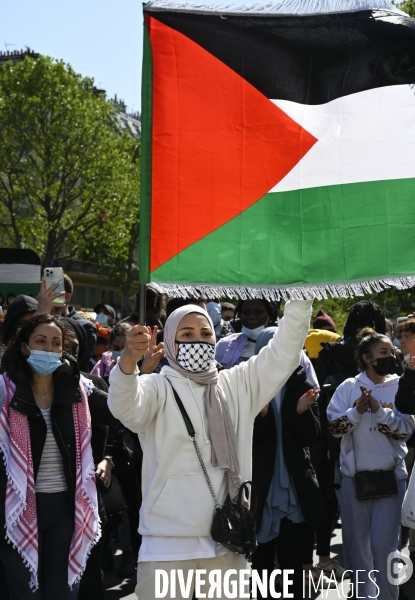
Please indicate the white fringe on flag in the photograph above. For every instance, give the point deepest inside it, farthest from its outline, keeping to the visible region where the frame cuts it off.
(282, 8)
(322, 291)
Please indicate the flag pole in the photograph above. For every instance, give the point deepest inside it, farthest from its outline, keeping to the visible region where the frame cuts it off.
(145, 183)
(142, 303)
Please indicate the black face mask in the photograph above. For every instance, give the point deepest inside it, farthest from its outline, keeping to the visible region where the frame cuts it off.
(387, 365)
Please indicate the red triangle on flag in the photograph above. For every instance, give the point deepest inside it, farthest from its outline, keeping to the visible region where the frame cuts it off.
(218, 144)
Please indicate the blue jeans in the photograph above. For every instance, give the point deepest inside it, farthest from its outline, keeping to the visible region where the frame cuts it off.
(55, 519)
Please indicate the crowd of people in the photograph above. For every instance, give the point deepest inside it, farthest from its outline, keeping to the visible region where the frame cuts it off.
(95, 450)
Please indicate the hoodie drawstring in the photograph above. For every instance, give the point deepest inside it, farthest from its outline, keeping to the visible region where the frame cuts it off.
(371, 412)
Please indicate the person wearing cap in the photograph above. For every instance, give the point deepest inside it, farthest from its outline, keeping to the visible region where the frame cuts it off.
(20, 310)
(324, 321)
(315, 340)
(106, 316)
(323, 331)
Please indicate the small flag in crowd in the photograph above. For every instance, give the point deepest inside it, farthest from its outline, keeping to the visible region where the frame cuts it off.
(278, 148)
(19, 274)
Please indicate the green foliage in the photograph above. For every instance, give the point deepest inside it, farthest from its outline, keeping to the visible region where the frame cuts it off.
(67, 178)
(407, 6)
(394, 303)
(118, 250)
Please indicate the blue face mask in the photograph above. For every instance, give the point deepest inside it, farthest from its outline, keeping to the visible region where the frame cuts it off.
(116, 354)
(214, 310)
(102, 319)
(43, 363)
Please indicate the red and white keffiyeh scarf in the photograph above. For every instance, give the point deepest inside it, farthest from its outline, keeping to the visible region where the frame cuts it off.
(21, 517)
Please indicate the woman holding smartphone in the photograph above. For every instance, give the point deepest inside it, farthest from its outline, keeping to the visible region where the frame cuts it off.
(363, 412)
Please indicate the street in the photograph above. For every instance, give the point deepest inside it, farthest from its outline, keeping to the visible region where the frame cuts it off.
(118, 589)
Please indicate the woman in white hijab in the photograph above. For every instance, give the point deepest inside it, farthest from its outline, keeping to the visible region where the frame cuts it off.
(177, 509)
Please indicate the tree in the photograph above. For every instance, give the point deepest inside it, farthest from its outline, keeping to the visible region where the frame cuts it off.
(394, 303)
(407, 6)
(65, 164)
(118, 255)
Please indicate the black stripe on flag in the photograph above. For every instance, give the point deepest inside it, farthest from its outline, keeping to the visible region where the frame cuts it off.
(307, 59)
(15, 256)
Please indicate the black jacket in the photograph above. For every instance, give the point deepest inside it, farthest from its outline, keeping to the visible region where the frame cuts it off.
(66, 393)
(91, 336)
(299, 432)
(21, 305)
(405, 396)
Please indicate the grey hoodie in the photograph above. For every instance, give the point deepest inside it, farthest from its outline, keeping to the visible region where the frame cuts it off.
(372, 441)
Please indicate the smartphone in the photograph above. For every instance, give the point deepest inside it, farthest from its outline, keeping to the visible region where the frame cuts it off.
(55, 275)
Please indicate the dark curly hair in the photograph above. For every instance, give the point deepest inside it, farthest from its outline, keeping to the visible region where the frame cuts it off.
(364, 314)
(175, 303)
(154, 301)
(12, 356)
(272, 309)
(365, 347)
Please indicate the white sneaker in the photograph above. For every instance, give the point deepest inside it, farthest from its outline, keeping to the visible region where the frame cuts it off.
(333, 567)
(318, 578)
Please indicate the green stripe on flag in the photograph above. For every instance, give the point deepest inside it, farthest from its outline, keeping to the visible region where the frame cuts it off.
(145, 183)
(325, 234)
(9, 291)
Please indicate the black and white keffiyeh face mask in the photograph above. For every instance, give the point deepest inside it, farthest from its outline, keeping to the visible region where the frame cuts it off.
(195, 356)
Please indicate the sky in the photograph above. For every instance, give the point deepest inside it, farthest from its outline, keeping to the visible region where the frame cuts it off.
(98, 38)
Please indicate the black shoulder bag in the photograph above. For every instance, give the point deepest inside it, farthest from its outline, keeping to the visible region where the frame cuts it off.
(233, 524)
(369, 485)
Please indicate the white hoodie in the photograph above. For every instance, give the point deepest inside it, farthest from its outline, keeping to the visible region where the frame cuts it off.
(377, 438)
(176, 498)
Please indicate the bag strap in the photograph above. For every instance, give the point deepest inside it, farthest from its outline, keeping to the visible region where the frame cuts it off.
(186, 418)
(354, 454)
(193, 437)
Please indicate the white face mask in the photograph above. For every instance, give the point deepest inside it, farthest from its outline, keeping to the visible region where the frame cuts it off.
(253, 334)
(195, 356)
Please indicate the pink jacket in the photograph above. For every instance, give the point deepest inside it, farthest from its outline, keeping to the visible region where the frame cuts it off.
(104, 366)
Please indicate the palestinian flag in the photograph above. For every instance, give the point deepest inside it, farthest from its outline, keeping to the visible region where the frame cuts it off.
(19, 274)
(278, 148)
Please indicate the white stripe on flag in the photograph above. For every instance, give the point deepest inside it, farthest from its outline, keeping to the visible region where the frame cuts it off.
(18, 273)
(368, 136)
